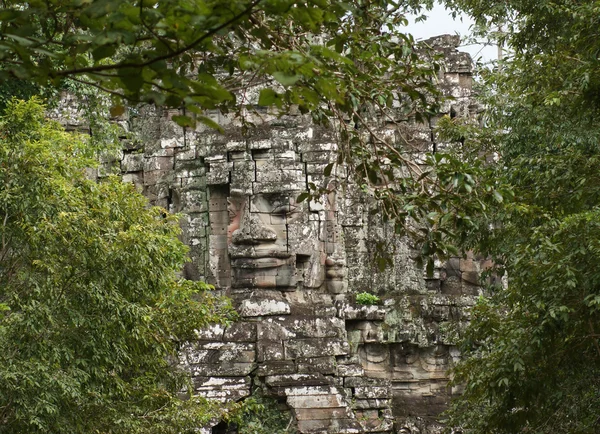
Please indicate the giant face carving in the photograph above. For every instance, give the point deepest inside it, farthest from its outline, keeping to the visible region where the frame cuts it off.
(260, 236)
(258, 240)
(271, 240)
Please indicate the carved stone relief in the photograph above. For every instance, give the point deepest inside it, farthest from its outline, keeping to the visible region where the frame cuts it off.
(293, 270)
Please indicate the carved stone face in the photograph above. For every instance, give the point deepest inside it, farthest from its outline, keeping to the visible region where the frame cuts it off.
(268, 240)
(259, 246)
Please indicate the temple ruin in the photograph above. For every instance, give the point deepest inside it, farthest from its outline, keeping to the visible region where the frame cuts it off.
(293, 271)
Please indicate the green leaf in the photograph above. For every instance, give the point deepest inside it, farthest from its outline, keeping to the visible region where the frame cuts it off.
(185, 121)
(210, 123)
(267, 97)
(285, 78)
(117, 110)
(103, 52)
(302, 197)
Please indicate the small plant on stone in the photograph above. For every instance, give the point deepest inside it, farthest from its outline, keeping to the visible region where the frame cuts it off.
(367, 299)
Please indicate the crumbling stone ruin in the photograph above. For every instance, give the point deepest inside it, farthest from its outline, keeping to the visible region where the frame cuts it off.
(293, 271)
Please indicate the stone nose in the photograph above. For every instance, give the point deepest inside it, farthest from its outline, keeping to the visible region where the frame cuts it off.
(252, 231)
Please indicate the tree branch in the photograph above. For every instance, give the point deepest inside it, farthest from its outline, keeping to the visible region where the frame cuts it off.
(168, 56)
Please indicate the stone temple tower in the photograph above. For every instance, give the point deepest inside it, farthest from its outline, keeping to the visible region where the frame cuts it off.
(293, 270)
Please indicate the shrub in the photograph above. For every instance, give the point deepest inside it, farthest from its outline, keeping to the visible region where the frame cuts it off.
(367, 299)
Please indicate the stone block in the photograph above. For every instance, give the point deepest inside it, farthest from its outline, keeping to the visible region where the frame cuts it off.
(132, 163)
(236, 145)
(242, 176)
(453, 268)
(301, 380)
(158, 163)
(272, 330)
(218, 352)
(222, 369)
(136, 179)
(322, 413)
(190, 167)
(372, 421)
(184, 155)
(260, 144)
(371, 403)
(276, 367)
(312, 390)
(315, 347)
(302, 327)
(322, 365)
(193, 183)
(193, 201)
(240, 331)
(451, 286)
(366, 382)
(156, 192)
(263, 307)
(173, 142)
(315, 401)
(471, 277)
(469, 265)
(224, 395)
(211, 333)
(340, 426)
(322, 157)
(157, 176)
(268, 351)
(354, 312)
(221, 383)
(350, 371)
(218, 172)
(372, 392)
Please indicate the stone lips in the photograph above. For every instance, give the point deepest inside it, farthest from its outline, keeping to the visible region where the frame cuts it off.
(293, 270)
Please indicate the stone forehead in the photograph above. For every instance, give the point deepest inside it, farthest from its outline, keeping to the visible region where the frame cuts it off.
(270, 171)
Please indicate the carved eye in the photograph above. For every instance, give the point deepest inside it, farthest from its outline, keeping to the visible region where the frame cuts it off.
(284, 211)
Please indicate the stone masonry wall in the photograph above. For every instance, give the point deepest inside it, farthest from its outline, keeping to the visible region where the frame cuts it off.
(293, 269)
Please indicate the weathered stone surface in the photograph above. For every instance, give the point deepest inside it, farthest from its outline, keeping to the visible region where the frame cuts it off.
(241, 331)
(263, 307)
(315, 347)
(269, 351)
(297, 380)
(315, 401)
(329, 425)
(276, 367)
(348, 311)
(322, 365)
(293, 269)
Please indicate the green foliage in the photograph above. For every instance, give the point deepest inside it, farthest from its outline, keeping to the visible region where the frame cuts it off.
(532, 355)
(93, 312)
(367, 299)
(94, 108)
(15, 88)
(260, 414)
(360, 74)
(174, 53)
(203, 56)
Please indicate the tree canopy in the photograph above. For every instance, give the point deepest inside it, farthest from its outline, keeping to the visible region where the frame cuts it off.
(532, 355)
(349, 65)
(200, 54)
(93, 311)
